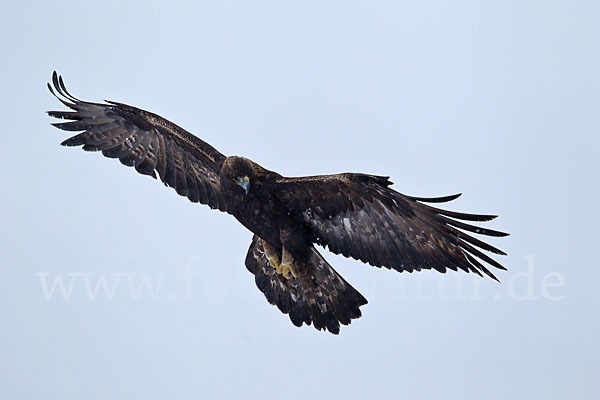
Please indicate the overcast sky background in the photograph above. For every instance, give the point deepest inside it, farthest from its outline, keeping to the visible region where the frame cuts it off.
(497, 100)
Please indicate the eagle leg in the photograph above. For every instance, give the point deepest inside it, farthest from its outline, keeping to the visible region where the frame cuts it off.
(283, 264)
(272, 256)
(287, 264)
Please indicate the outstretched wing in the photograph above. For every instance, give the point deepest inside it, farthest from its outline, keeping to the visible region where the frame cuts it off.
(359, 216)
(317, 295)
(145, 141)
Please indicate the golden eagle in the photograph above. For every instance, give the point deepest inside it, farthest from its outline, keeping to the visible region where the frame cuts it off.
(353, 214)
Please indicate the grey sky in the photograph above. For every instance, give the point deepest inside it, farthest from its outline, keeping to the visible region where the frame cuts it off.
(497, 100)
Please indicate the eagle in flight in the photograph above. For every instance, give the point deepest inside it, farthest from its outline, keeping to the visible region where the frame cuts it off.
(357, 215)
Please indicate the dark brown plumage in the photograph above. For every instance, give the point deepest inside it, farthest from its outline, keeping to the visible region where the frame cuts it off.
(356, 215)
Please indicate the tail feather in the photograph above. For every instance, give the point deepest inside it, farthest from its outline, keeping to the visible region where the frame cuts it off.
(318, 295)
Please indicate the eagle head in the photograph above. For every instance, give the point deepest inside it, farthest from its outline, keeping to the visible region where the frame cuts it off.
(239, 171)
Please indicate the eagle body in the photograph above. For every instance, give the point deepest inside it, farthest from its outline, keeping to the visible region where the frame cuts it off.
(259, 210)
(356, 215)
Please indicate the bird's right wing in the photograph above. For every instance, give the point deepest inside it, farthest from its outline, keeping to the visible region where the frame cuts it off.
(145, 141)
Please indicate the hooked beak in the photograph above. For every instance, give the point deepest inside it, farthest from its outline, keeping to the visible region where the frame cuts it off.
(244, 182)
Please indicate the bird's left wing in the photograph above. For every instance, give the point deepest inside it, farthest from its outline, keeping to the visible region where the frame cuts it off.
(359, 216)
(145, 141)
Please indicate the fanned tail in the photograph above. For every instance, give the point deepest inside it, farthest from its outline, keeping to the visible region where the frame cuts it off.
(318, 295)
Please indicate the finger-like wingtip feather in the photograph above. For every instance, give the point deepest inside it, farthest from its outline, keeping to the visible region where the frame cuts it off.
(69, 115)
(65, 91)
(472, 228)
(55, 81)
(442, 199)
(480, 267)
(56, 91)
(465, 216)
(59, 86)
(476, 242)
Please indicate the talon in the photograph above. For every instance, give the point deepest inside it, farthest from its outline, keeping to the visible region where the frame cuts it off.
(272, 256)
(287, 261)
(288, 271)
(283, 264)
